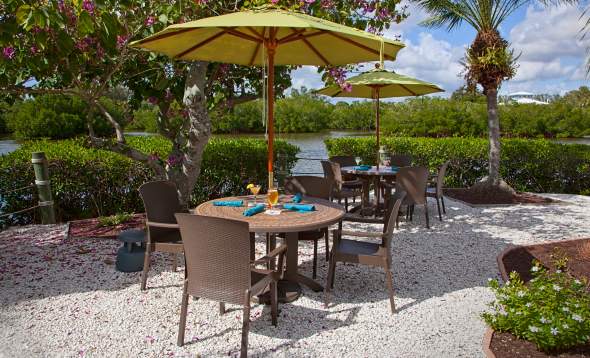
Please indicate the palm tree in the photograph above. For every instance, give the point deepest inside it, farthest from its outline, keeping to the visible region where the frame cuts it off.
(488, 61)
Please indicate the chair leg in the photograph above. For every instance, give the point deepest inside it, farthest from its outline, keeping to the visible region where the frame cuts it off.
(271, 244)
(245, 327)
(327, 237)
(273, 302)
(412, 212)
(146, 267)
(438, 207)
(221, 308)
(389, 283)
(329, 281)
(442, 200)
(183, 310)
(346, 204)
(426, 215)
(315, 259)
(174, 262)
(252, 246)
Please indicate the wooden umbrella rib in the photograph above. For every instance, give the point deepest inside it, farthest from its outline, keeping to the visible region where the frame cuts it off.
(243, 35)
(295, 37)
(166, 35)
(254, 54)
(407, 89)
(201, 44)
(318, 54)
(256, 33)
(366, 48)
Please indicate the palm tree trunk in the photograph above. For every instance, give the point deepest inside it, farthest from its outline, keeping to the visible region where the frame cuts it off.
(494, 136)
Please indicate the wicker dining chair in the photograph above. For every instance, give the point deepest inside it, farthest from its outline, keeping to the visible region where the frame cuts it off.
(316, 187)
(401, 160)
(366, 253)
(413, 180)
(436, 192)
(341, 189)
(160, 200)
(218, 267)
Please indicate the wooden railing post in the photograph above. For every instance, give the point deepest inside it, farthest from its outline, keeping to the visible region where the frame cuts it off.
(43, 188)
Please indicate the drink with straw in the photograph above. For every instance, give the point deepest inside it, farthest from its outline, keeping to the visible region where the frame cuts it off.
(254, 189)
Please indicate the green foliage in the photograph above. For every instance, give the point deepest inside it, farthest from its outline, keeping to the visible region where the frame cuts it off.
(302, 112)
(58, 117)
(552, 310)
(88, 182)
(527, 165)
(357, 115)
(4, 107)
(114, 220)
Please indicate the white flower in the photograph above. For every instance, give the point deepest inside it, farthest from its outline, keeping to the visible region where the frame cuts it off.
(518, 313)
(565, 309)
(521, 294)
(565, 326)
(543, 320)
(529, 304)
(557, 271)
(554, 331)
(535, 268)
(556, 288)
(534, 329)
(577, 317)
(577, 282)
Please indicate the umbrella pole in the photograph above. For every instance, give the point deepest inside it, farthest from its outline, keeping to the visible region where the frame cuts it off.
(376, 96)
(270, 48)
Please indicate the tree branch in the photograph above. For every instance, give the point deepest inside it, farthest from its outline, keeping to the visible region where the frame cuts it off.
(112, 121)
(129, 152)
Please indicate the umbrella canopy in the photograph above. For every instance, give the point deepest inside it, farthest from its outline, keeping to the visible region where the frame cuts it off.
(270, 37)
(380, 83)
(390, 84)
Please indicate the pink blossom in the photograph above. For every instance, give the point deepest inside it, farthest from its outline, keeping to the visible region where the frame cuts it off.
(9, 52)
(122, 41)
(88, 5)
(153, 100)
(346, 87)
(274, 1)
(34, 50)
(150, 21)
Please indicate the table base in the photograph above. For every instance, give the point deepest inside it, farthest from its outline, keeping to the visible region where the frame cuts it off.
(287, 291)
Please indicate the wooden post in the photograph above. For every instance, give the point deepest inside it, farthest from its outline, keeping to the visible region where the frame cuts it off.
(271, 46)
(43, 188)
(378, 120)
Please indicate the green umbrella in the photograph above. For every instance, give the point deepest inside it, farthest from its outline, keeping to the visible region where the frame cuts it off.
(380, 83)
(270, 36)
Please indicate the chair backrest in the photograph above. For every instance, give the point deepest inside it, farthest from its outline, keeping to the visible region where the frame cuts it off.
(391, 219)
(217, 256)
(160, 200)
(344, 160)
(308, 185)
(413, 181)
(440, 178)
(332, 173)
(401, 160)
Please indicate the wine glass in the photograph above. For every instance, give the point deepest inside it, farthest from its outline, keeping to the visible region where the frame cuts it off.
(255, 189)
(358, 160)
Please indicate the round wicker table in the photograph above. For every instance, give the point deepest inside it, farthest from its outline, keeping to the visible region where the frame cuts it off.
(367, 176)
(289, 222)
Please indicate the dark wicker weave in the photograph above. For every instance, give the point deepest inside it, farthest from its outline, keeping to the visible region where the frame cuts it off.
(413, 180)
(366, 253)
(218, 267)
(401, 160)
(315, 187)
(160, 199)
(341, 189)
(437, 191)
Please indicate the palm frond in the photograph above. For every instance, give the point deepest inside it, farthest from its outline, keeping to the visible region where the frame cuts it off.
(447, 13)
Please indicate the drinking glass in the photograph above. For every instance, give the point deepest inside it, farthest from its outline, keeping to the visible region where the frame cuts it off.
(358, 160)
(273, 197)
(255, 190)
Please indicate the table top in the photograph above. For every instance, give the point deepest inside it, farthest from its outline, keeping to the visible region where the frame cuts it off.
(326, 213)
(383, 171)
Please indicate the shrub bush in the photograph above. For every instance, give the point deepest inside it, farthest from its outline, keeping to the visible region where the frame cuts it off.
(58, 117)
(88, 182)
(528, 165)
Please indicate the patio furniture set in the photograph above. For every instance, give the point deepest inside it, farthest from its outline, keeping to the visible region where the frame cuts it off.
(217, 238)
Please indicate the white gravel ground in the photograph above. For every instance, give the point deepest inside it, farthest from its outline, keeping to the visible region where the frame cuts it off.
(63, 297)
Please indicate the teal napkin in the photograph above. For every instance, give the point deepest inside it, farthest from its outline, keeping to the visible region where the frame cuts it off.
(254, 210)
(362, 167)
(299, 207)
(297, 198)
(394, 169)
(228, 203)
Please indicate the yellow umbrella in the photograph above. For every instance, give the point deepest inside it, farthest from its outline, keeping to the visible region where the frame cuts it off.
(380, 83)
(270, 36)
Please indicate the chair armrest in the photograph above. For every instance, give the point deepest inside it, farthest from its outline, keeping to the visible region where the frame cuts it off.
(362, 234)
(164, 225)
(352, 182)
(271, 255)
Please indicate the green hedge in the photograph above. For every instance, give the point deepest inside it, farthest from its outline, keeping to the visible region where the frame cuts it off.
(88, 182)
(528, 165)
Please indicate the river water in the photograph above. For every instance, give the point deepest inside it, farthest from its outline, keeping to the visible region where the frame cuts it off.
(311, 145)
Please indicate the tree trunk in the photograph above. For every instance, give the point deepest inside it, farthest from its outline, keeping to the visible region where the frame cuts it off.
(194, 135)
(494, 136)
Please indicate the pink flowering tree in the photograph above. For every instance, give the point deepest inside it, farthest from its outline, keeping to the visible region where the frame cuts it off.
(79, 47)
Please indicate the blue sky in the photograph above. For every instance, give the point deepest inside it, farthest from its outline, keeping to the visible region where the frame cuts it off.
(552, 53)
